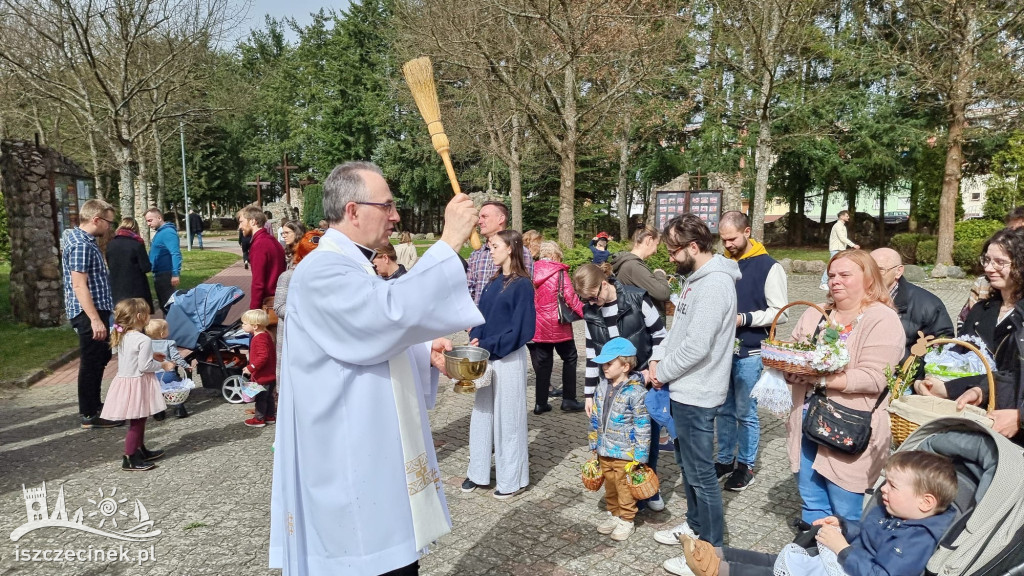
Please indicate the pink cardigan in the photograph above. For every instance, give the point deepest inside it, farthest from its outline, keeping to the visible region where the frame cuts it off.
(876, 342)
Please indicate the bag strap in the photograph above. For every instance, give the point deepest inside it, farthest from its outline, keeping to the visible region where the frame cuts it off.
(560, 292)
(881, 397)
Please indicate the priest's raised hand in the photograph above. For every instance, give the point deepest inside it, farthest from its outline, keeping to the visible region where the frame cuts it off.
(460, 216)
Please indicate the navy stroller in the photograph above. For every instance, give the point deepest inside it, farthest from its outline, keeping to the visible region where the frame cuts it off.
(196, 319)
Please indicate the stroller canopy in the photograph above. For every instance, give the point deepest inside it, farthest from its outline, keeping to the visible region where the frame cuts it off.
(200, 309)
(986, 538)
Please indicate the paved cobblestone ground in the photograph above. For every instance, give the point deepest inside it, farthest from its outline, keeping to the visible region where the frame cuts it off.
(210, 495)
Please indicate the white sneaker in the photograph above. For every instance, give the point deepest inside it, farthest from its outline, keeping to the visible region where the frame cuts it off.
(656, 504)
(677, 566)
(671, 535)
(610, 523)
(823, 287)
(623, 530)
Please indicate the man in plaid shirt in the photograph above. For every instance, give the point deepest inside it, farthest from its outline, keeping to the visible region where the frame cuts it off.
(493, 219)
(88, 303)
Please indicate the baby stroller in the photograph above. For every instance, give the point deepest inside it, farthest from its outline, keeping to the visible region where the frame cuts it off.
(987, 536)
(196, 321)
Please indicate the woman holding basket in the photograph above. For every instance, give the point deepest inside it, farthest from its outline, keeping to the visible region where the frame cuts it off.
(999, 322)
(831, 482)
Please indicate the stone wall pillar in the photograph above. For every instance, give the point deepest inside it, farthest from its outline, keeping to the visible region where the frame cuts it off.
(37, 295)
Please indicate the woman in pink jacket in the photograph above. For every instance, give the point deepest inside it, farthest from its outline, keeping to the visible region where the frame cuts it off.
(552, 336)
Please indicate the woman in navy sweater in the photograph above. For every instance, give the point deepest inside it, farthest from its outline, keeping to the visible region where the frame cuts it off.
(498, 421)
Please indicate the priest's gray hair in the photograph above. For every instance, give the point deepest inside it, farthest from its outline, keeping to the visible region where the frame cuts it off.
(344, 185)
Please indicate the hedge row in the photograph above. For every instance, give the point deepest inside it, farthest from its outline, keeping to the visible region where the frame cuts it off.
(969, 235)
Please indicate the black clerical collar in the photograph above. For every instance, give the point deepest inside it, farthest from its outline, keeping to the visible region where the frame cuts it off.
(370, 254)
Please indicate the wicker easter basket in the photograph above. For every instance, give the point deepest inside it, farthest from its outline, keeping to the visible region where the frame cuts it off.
(782, 355)
(908, 413)
(176, 396)
(591, 475)
(646, 488)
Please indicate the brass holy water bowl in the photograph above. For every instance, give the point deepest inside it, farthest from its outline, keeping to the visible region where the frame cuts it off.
(465, 364)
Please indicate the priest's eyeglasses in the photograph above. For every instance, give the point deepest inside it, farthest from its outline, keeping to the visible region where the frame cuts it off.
(389, 206)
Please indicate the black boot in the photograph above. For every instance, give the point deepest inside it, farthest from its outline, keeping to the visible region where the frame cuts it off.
(159, 416)
(135, 463)
(149, 455)
(180, 411)
(571, 405)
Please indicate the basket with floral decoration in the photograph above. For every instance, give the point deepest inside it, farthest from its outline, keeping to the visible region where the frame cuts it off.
(827, 353)
(908, 412)
(591, 474)
(642, 480)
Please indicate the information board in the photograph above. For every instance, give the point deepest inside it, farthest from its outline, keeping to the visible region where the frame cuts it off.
(706, 204)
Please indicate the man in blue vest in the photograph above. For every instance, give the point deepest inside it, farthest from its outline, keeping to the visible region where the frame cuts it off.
(760, 293)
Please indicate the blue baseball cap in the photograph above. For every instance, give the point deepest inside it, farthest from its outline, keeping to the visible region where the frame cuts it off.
(613, 349)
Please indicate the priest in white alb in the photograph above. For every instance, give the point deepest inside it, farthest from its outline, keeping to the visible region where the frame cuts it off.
(357, 489)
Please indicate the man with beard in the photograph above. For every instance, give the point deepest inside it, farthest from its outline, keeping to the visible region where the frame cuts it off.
(694, 361)
(760, 293)
(266, 255)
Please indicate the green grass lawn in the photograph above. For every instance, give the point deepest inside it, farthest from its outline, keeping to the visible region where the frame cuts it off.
(797, 253)
(24, 349)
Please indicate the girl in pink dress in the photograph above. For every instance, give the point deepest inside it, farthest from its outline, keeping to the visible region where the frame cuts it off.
(134, 394)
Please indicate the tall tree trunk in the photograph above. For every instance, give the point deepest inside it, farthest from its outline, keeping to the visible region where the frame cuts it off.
(915, 189)
(515, 175)
(94, 154)
(567, 163)
(623, 196)
(764, 159)
(158, 146)
(126, 183)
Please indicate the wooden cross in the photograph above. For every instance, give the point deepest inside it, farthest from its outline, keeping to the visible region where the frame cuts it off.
(259, 184)
(287, 181)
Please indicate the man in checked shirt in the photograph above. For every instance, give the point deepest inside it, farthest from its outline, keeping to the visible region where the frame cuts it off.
(88, 302)
(493, 219)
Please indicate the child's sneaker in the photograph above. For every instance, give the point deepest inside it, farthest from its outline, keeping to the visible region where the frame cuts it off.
(270, 419)
(655, 503)
(671, 535)
(677, 566)
(624, 530)
(610, 523)
(255, 422)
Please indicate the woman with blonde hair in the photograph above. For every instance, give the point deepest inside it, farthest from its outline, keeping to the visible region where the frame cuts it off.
(532, 240)
(833, 483)
(551, 276)
(630, 268)
(405, 251)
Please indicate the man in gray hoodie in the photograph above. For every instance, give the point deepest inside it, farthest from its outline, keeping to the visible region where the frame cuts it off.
(694, 361)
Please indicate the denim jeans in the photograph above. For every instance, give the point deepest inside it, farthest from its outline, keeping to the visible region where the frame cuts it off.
(820, 496)
(824, 275)
(695, 438)
(739, 430)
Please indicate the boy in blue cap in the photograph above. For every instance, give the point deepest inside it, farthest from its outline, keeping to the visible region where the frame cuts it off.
(620, 432)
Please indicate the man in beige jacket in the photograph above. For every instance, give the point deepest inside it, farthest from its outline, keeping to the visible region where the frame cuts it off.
(837, 242)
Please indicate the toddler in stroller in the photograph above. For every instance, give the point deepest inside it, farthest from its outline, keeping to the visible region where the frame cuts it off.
(986, 536)
(895, 537)
(159, 331)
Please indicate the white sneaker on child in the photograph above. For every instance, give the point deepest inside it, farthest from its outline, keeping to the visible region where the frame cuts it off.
(677, 566)
(608, 525)
(671, 535)
(656, 504)
(624, 530)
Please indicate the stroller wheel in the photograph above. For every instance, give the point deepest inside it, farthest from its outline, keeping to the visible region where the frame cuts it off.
(232, 388)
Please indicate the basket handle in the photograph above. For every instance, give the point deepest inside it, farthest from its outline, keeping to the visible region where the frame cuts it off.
(771, 334)
(920, 348)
